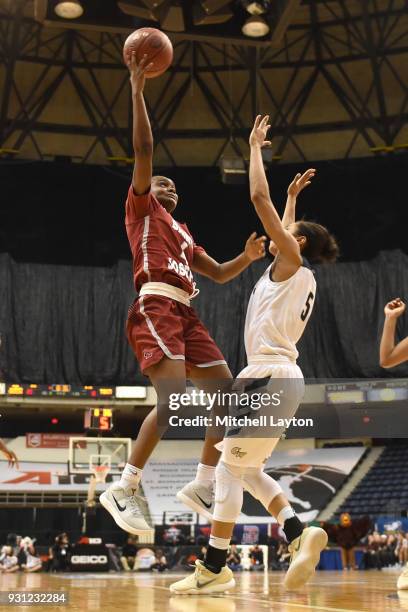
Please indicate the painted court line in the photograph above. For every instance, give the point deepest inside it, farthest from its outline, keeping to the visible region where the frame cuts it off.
(262, 601)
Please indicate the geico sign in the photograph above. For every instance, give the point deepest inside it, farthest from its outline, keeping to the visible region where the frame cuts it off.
(90, 559)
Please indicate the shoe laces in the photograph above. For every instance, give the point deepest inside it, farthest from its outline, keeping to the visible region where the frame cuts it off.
(134, 504)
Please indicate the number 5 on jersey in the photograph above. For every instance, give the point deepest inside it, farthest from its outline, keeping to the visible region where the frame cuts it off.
(307, 307)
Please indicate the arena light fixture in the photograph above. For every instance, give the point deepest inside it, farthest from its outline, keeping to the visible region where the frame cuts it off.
(69, 9)
(255, 27)
(256, 8)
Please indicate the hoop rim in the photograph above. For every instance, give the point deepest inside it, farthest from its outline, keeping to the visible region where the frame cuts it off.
(100, 472)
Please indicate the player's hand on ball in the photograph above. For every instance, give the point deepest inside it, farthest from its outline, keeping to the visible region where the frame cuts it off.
(259, 132)
(394, 309)
(255, 247)
(300, 182)
(138, 72)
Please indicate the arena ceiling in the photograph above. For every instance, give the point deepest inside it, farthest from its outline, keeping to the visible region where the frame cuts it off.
(332, 75)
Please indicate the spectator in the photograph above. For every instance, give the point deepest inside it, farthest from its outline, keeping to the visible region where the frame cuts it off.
(160, 564)
(257, 558)
(234, 559)
(8, 560)
(145, 558)
(401, 549)
(283, 555)
(129, 552)
(28, 559)
(371, 558)
(60, 554)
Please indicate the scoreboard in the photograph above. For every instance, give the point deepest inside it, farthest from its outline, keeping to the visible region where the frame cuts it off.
(367, 391)
(88, 391)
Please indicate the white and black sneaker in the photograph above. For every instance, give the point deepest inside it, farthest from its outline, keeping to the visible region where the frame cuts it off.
(305, 555)
(198, 497)
(125, 507)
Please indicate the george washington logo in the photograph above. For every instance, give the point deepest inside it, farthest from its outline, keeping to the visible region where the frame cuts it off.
(237, 452)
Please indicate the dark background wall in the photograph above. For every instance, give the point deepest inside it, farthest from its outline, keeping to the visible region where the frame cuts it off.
(72, 214)
(65, 284)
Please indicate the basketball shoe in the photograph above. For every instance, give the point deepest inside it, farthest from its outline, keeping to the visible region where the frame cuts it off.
(203, 581)
(125, 507)
(402, 582)
(198, 497)
(305, 554)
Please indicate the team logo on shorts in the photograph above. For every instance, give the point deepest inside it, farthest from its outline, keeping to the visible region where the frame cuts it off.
(147, 355)
(237, 452)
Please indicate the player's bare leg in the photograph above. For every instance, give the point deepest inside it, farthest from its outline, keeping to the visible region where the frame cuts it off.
(199, 494)
(121, 500)
(305, 545)
(149, 434)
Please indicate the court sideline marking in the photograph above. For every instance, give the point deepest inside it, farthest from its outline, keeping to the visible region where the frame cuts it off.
(263, 601)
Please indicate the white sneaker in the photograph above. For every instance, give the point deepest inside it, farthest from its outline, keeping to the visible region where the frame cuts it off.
(203, 581)
(198, 497)
(402, 582)
(305, 555)
(124, 506)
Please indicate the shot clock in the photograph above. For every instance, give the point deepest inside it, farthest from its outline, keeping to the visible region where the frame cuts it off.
(98, 419)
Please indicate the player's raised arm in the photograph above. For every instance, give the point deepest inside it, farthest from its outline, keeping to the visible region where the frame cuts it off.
(390, 354)
(142, 131)
(224, 272)
(260, 196)
(296, 186)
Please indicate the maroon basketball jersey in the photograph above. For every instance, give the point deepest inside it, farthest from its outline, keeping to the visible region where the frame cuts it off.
(162, 249)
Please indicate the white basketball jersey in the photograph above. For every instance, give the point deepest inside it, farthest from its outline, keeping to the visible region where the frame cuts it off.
(278, 313)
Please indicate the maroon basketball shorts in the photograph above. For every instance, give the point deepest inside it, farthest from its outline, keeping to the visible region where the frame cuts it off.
(158, 327)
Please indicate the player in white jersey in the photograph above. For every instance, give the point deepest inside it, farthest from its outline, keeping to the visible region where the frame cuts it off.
(391, 355)
(278, 311)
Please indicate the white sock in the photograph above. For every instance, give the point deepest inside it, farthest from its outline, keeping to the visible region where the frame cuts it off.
(286, 513)
(205, 474)
(131, 476)
(220, 543)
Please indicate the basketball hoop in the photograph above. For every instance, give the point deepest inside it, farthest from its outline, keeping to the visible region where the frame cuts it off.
(100, 473)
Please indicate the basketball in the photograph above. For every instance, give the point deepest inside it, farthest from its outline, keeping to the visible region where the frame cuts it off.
(154, 44)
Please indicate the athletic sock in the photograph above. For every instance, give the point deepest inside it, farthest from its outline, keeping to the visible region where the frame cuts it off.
(293, 528)
(216, 555)
(131, 477)
(286, 513)
(291, 524)
(205, 474)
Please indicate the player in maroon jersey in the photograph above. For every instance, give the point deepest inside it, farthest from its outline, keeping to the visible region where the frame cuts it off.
(164, 331)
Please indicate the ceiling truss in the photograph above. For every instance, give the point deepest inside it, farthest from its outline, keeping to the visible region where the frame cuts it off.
(355, 60)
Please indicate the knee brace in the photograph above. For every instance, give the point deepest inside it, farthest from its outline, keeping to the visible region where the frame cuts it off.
(261, 486)
(228, 492)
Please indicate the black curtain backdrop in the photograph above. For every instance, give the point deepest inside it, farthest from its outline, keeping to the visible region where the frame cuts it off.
(66, 323)
(73, 214)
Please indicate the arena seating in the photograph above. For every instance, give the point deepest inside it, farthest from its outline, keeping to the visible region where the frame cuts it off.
(384, 489)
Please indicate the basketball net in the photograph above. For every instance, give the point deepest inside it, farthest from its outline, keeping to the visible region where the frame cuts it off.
(100, 473)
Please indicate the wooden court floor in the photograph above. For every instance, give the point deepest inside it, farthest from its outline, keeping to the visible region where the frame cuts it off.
(329, 591)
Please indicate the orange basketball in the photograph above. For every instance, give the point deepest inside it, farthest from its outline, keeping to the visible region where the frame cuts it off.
(154, 44)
